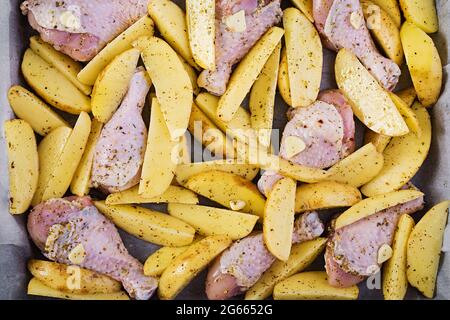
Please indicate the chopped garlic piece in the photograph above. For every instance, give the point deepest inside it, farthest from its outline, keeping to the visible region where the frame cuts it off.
(384, 253)
(236, 22)
(373, 269)
(69, 20)
(356, 20)
(237, 205)
(293, 146)
(77, 255)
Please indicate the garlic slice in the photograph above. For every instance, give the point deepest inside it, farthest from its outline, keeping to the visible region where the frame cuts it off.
(293, 145)
(384, 253)
(77, 255)
(236, 22)
(236, 205)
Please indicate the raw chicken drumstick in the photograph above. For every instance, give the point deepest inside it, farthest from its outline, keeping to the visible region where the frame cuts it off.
(73, 232)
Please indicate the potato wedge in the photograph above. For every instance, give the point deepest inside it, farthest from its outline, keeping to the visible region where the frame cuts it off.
(384, 30)
(171, 22)
(246, 73)
(72, 279)
(372, 205)
(279, 218)
(160, 159)
(201, 26)
(33, 110)
(212, 138)
(209, 221)
(187, 265)
(402, 157)
(325, 195)
(52, 85)
(358, 168)
(395, 283)
(173, 194)
(380, 141)
(392, 8)
(112, 85)
(122, 43)
(23, 164)
(370, 102)
(70, 157)
(224, 187)
(37, 288)
(312, 285)
(424, 249)
(408, 96)
(192, 75)
(302, 255)
(186, 171)
(158, 261)
(64, 64)
(283, 79)
(424, 63)
(407, 113)
(304, 58)
(306, 7)
(422, 13)
(172, 83)
(81, 179)
(49, 150)
(149, 225)
(262, 98)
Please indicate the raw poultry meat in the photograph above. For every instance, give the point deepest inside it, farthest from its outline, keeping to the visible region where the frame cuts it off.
(231, 46)
(241, 265)
(326, 127)
(341, 24)
(81, 28)
(73, 232)
(352, 251)
(120, 149)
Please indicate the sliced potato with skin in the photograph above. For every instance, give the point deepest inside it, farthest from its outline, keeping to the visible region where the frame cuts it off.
(370, 102)
(395, 283)
(112, 85)
(82, 178)
(185, 171)
(408, 96)
(407, 113)
(187, 265)
(306, 7)
(304, 58)
(33, 110)
(149, 225)
(262, 98)
(358, 168)
(23, 164)
(283, 79)
(122, 43)
(325, 195)
(370, 206)
(279, 218)
(380, 141)
(72, 279)
(224, 187)
(159, 161)
(52, 86)
(246, 73)
(171, 81)
(302, 255)
(64, 64)
(392, 8)
(312, 285)
(424, 63)
(424, 249)
(158, 261)
(171, 22)
(384, 30)
(69, 159)
(422, 13)
(212, 138)
(402, 157)
(49, 150)
(210, 221)
(37, 288)
(201, 24)
(173, 194)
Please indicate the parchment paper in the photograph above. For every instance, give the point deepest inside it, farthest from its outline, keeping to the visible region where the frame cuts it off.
(16, 248)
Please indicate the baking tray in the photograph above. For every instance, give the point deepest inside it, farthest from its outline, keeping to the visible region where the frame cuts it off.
(16, 247)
